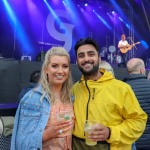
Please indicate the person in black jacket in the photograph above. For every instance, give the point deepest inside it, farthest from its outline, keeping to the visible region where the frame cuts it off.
(137, 79)
(34, 78)
(148, 76)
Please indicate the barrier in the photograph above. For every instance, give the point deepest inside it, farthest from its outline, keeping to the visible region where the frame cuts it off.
(14, 75)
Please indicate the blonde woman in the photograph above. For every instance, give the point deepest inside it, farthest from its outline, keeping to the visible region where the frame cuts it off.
(36, 122)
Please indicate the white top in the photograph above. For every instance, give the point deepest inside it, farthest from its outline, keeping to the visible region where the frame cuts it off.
(122, 43)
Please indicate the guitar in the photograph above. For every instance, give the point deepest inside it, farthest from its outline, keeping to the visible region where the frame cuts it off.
(126, 48)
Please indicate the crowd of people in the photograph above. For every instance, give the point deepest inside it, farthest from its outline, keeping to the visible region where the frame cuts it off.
(121, 108)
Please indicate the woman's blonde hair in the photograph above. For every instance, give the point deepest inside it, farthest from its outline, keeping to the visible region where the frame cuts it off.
(46, 85)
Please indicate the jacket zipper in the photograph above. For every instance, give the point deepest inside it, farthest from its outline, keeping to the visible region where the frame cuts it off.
(87, 106)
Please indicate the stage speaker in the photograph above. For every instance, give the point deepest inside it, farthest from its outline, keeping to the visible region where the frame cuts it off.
(76, 74)
(9, 81)
(41, 56)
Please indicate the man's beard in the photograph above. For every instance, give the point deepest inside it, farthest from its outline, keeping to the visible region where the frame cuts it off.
(93, 71)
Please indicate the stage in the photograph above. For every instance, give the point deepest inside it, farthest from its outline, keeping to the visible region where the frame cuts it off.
(29, 28)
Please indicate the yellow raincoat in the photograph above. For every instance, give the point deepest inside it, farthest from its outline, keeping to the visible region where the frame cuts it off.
(113, 103)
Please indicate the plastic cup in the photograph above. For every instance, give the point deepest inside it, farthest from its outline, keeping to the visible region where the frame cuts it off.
(65, 115)
(88, 127)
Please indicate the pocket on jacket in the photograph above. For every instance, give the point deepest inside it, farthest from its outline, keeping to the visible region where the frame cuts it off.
(29, 117)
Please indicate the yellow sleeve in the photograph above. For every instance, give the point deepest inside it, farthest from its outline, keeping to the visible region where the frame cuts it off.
(133, 124)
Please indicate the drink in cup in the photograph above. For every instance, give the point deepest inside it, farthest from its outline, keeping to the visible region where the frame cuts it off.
(65, 115)
(88, 127)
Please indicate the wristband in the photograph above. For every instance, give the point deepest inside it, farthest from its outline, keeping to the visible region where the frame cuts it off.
(109, 132)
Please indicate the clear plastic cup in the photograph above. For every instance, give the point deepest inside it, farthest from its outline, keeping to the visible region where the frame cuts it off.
(65, 115)
(88, 127)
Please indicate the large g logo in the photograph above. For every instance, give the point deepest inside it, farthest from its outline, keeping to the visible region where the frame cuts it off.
(66, 36)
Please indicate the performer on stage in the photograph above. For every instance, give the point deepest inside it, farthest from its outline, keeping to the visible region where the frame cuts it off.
(123, 46)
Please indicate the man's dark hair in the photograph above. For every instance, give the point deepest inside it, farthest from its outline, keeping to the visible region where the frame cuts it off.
(35, 76)
(85, 41)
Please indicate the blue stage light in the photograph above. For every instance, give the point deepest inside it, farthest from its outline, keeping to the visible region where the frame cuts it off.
(19, 30)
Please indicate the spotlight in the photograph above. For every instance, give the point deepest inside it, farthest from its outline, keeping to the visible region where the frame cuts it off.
(121, 19)
(113, 12)
(82, 10)
(85, 4)
(93, 10)
(64, 3)
(127, 25)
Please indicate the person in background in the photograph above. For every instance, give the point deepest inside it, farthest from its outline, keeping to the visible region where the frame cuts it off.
(123, 46)
(34, 78)
(107, 66)
(148, 76)
(36, 123)
(136, 78)
(99, 96)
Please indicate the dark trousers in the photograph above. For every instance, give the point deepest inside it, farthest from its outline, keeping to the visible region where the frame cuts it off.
(79, 144)
(124, 58)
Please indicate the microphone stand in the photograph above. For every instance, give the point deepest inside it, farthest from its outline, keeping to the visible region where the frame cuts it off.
(133, 42)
